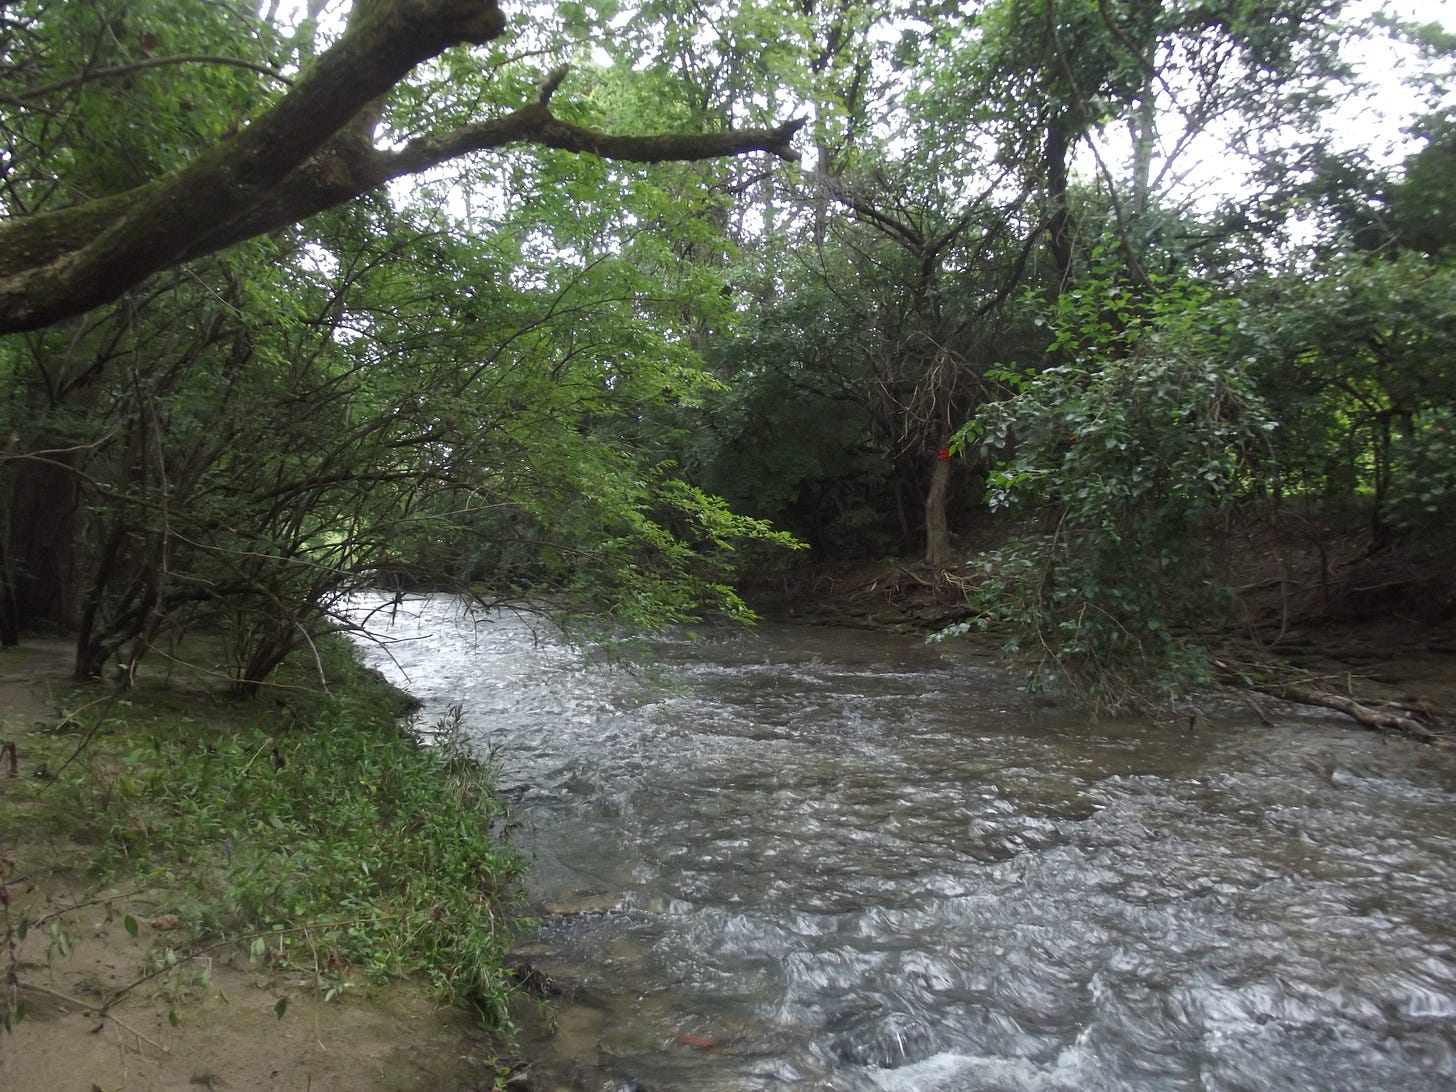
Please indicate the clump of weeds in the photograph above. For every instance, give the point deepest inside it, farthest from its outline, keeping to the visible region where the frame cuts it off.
(307, 829)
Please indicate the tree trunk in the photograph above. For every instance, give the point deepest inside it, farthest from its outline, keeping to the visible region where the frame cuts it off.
(937, 531)
(1059, 227)
(36, 550)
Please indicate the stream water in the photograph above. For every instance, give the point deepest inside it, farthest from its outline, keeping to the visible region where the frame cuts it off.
(834, 860)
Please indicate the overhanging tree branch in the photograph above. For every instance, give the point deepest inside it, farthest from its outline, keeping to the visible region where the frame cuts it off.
(22, 97)
(535, 124)
(311, 150)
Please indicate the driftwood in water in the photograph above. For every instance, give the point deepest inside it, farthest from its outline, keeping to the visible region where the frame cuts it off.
(1385, 718)
(1375, 714)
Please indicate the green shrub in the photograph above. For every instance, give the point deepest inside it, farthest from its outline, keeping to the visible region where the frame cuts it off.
(1124, 450)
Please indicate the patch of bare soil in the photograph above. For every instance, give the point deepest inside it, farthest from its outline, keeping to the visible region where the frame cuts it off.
(109, 1009)
(1332, 619)
(896, 595)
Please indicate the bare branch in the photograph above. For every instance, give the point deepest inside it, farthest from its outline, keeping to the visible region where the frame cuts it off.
(23, 97)
(551, 83)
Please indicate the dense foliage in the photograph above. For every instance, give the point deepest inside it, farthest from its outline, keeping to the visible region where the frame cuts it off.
(392, 390)
(1127, 447)
(1133, 242)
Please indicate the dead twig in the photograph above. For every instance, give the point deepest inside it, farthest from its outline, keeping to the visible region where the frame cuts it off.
(1381, 720)
(102, 1011)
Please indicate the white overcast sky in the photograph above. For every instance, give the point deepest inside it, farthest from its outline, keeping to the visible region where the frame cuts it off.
(1371, 123)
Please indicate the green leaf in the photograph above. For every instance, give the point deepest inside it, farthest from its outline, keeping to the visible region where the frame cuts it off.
(129, 923)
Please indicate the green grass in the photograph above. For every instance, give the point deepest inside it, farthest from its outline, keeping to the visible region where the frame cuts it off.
(305, 826)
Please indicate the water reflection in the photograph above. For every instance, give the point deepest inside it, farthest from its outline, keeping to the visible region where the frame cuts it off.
(833, 860)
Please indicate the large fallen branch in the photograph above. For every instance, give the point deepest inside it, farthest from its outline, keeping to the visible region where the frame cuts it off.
(1378, 717)
(311, 150)
(1388, 719)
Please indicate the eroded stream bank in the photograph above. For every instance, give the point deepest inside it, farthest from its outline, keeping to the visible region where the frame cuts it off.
(827, 859)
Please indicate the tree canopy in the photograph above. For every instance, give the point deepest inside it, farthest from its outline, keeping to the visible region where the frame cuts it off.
(296, 299)
(312, 147)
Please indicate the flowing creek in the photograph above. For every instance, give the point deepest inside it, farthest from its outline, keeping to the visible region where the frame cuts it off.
(834, 860)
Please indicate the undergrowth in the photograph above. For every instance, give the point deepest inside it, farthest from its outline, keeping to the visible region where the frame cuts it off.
(1145, 429)
(308, 828)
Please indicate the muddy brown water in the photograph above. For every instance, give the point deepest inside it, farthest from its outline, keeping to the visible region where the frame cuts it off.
(808, 858)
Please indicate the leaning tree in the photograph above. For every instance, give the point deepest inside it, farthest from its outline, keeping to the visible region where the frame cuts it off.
(310, 149)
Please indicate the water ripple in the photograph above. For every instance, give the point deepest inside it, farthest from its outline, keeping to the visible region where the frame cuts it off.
(852, 862)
